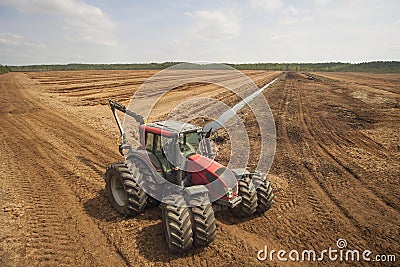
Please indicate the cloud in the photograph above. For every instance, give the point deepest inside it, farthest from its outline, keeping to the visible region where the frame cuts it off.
(280, 38)
(322, 2)
(290, 11)
(277, 8)
(10, 39)
(83, 22)
(271, 6)
(214, 25)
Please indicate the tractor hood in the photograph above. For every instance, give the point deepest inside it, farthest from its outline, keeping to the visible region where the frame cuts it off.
(199, 163)
(205, 171)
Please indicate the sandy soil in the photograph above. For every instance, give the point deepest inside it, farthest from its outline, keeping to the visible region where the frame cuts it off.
(336, 171)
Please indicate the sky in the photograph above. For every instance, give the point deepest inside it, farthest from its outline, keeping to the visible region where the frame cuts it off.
(223, 31)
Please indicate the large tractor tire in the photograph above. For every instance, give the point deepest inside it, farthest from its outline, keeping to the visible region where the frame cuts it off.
(265, 196)
(145, 179)
(124, 193)
(248, 193)
(177, 226)
(204, 227)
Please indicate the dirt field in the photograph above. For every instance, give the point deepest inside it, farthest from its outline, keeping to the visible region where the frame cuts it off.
(336, 171)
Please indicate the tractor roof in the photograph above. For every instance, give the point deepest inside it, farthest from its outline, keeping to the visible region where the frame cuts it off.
(174, 126)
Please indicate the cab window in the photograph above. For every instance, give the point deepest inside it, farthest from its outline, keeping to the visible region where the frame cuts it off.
(189, 143)
(149, 141)
(193, 139)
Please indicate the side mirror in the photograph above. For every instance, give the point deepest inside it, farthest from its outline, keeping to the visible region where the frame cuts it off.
(208, 134)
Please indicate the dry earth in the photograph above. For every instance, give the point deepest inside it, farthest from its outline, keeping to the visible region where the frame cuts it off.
(336, 171)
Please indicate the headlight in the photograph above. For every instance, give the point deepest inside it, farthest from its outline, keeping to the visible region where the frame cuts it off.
(235, 189)
(229, 193)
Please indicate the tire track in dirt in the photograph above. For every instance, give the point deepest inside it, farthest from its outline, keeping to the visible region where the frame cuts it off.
(72, 172)
(386, 85)
(331, 144)
(350, 113)
(370, 203)
(285, 201)
(52, 230)
(285, 129)
(330, 150)
(54, 221)
(304, 178)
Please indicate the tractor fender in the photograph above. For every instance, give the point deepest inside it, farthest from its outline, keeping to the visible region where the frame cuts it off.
(257, 178)
(193, 196)
(143, 157)
(239, 173)
(196, 195)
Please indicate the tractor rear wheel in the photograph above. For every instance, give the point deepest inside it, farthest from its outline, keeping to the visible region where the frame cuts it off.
(203, 221)
(248, 193)
(124, 193)
(177, 226)
(265, 197)
(145, 179)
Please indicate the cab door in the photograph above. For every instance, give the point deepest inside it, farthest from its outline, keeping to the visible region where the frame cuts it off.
(157, 155)
(150, 145)
(160, 155)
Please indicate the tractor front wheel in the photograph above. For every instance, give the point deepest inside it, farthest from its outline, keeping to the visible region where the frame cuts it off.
(177, 227)
(204, 226)
(265, 196)
(124, 193)
(248, 193)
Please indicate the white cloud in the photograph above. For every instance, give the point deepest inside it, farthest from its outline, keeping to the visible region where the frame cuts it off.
(271, 6)
(10, 39)
(280, 38)
(322, 2)
(290, 11)
(83, 22)
(214, 25)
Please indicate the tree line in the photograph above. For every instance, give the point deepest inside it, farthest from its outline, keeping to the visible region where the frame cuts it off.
(376, 66)
(4, 69)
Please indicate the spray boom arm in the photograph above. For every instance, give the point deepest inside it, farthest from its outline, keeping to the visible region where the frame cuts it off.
(117, 106)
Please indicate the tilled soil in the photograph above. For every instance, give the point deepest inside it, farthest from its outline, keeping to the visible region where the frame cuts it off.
(336, 171)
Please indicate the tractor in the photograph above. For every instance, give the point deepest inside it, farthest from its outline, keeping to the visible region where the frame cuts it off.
(179, 155)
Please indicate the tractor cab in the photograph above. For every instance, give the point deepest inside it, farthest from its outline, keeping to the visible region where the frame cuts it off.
(176, 150)
(169, 144)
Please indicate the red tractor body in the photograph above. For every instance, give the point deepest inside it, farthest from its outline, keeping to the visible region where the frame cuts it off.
(174, 167)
